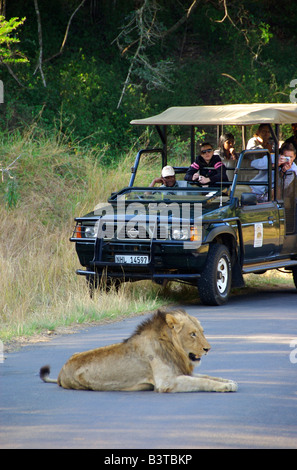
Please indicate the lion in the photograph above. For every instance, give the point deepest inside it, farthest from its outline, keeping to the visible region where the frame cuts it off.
(160, 355)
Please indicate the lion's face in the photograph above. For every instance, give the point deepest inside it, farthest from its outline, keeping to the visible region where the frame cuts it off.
(190, 335)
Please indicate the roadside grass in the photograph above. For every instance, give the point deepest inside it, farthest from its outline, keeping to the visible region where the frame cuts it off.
(270, 279)
(56, 181)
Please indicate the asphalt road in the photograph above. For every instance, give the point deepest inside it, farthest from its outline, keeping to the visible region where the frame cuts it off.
(252, 342)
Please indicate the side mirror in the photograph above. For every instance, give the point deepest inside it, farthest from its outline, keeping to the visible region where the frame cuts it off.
(248, 199)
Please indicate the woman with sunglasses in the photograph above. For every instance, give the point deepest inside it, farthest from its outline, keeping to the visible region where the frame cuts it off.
(208, 168)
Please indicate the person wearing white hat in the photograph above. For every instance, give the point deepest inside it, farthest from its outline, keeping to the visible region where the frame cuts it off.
(167, 178)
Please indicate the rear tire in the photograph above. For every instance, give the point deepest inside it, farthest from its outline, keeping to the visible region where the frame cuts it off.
(215, 282)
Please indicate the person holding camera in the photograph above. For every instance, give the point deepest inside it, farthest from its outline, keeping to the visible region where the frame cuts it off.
(287, 157)
(287, 169)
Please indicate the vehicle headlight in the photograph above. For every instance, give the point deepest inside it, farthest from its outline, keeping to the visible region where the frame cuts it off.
(90, 231)
(180, 233)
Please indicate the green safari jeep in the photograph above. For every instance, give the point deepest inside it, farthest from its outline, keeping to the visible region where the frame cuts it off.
(206, 236)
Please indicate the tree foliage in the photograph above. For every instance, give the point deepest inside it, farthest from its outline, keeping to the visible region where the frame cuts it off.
(8, 53)
(92, 65)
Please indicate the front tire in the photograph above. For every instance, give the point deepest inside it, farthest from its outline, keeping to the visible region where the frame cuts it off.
(215, 282)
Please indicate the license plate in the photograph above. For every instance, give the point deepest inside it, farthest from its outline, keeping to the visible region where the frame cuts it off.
(132, 259)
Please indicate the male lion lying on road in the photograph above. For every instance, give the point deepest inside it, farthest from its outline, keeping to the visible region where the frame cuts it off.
(160, 356)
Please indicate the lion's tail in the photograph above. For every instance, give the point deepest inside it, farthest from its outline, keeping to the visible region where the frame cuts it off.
(44, 375)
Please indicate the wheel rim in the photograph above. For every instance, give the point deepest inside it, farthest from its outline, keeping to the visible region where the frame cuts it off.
(222, 275)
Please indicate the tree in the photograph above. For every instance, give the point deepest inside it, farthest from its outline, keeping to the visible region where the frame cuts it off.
(9, 54)
(144, 23)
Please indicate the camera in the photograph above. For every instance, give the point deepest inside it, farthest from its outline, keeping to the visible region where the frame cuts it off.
(288, 159)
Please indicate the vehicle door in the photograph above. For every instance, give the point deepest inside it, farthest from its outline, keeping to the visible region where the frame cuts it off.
(287, 197)
(258, 214)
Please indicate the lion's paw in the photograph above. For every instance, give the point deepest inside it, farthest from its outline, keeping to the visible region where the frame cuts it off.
(227, 386)
(232, 386)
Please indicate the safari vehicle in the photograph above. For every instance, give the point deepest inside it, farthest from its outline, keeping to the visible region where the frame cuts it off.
(206, 236)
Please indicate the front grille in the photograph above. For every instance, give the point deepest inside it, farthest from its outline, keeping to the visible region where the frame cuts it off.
(130, 231)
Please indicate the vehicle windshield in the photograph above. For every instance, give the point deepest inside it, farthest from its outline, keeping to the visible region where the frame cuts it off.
(190, 193)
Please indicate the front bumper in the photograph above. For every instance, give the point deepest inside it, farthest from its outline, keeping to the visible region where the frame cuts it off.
(167, 260)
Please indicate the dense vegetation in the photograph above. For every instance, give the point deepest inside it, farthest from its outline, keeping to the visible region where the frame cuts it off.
(75, 72)
(158, 52)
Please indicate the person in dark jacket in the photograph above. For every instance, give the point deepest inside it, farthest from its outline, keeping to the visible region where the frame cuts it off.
(208, 168)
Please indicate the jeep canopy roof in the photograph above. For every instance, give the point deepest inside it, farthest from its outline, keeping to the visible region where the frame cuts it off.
(231, 114)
